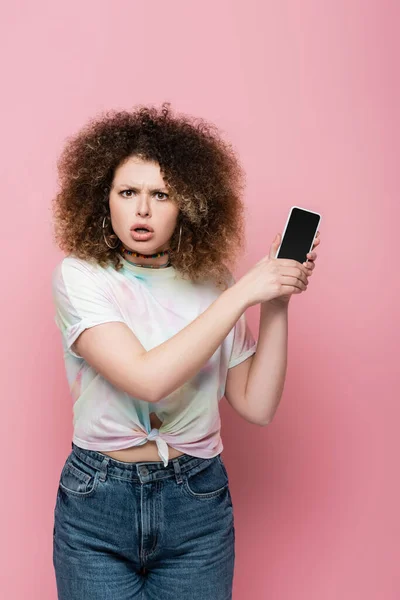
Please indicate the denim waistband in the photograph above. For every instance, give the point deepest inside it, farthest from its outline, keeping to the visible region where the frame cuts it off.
(141, 471)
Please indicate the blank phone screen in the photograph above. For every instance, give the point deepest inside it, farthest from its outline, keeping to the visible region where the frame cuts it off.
(299, 235)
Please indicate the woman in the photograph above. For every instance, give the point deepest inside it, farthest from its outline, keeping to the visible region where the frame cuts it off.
(154, 335)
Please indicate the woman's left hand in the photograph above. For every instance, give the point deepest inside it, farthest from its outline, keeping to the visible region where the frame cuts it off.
(310, 266)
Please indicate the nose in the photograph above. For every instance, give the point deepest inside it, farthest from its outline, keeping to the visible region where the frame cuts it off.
(143, 212)
(143, 205)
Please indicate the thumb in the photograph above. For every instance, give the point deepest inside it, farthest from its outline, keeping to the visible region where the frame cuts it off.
(275, 245)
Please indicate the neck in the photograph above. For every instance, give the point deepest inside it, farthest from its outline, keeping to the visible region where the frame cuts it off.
(158, 259)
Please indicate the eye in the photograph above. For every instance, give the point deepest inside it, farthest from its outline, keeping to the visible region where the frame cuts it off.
(162, 194)
(129, 191)
(124, 192)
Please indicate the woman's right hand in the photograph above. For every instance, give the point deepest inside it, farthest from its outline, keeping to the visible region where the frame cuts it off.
(273, 277)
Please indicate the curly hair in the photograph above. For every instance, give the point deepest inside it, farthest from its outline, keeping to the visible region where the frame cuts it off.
(200, 169)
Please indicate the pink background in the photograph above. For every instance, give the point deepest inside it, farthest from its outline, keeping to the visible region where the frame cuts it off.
(308, 91)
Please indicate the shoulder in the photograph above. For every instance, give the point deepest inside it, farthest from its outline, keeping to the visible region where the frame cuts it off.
(73, 264)
(72, 269)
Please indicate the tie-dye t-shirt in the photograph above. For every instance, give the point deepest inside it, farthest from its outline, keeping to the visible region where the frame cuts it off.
(155, 304)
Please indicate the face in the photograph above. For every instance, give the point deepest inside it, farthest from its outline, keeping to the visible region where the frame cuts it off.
(138, 195)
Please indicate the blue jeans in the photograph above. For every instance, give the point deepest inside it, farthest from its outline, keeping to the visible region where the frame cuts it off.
(130, 530)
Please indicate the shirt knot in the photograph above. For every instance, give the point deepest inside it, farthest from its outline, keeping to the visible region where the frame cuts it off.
(161, 445)
(153, 434)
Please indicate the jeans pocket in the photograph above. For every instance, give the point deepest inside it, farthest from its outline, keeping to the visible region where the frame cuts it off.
(208, 480)
(78, 479)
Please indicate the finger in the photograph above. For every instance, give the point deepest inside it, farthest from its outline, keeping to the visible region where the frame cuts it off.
(274, 246)
(288, 262)
(293, 272)
(295, 281)
(291, 268)
(316, 243)
(309, 265)
(309, 271)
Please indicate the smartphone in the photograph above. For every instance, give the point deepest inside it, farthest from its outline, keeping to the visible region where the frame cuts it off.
(299, 234)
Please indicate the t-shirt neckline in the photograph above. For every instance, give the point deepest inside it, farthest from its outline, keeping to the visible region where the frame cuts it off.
(142, 271)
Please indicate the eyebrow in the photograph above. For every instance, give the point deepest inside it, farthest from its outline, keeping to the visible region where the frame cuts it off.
(136, 188)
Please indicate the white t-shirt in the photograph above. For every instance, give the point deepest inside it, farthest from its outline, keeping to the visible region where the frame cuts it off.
(155, 304)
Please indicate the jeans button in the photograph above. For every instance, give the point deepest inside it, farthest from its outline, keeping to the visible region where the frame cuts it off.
(144, 471)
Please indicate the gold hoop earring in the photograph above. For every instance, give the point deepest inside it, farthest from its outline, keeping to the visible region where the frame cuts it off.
(112, 247)
(180, 236)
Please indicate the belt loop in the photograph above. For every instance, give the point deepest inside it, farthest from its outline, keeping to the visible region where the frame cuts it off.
(177, 469)
(103, 468)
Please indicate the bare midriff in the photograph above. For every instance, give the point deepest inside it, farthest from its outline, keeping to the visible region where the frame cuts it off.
(148, 452)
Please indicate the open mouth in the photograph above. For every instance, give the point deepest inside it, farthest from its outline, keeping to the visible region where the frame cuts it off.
(141, 233)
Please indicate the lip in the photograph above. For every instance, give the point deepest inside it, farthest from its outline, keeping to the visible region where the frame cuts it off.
(145, 225)
(141, 237)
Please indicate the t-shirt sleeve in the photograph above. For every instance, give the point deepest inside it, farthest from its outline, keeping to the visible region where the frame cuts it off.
(81, 301)
(244, 344)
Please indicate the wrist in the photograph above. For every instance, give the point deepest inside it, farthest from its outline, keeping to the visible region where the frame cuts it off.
(238, 293)
(275, 307)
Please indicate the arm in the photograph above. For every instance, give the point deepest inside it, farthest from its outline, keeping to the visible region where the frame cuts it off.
(268, 370)
(254, 387)
(116, 353)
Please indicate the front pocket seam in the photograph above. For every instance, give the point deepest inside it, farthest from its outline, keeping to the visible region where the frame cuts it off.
(205, 495)
(84, 477)
(187, 488)
(80, 494)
